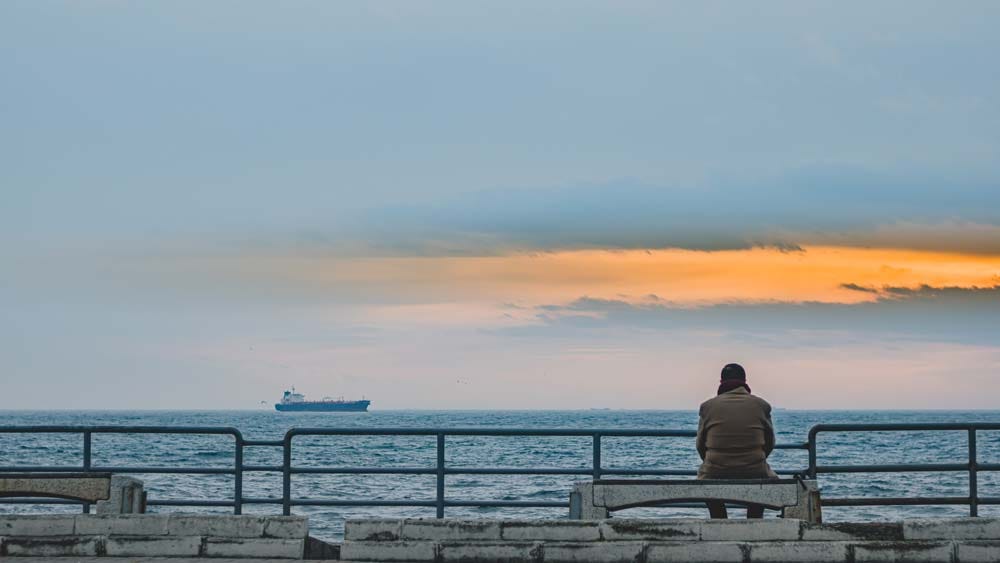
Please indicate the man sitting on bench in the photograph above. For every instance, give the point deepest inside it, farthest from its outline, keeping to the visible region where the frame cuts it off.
(735, 436)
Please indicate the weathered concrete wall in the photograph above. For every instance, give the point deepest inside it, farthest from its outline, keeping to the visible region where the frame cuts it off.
(948, 540)
(153, 535)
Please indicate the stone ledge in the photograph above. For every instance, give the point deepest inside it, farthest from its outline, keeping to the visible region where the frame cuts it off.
(618, 551)
(290, 527)
(229, 526)
(912, 551)
(441, 529)
(373, 530)
(648, 541)
(254, 548)
(37, 525)
(688, 551)
(875, 531)
(352, 550)
(812, 551)
(952, 529)
(53, 546)
(121, 525)
(977, 551)
(696, 552)
(650, 530)
(153, 535)
(483, 552)
(551, 530)
(157, 546)
(750, 530)
(769, 529)
(179, 525)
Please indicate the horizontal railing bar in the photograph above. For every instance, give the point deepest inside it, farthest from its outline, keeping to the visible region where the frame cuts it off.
(326, 502)
(167, 470)
(263, 468)
(507, 503)
(893, 468)
(558, 471)
(251, 500)
(176, 502)
(42, 469)
(76, 429)
(680, 472)
(97, 469)
(363, 470)
(795, 446)
(895, 501)
(271, 443)
(905, 427)
(496, 471)
(650, 432)
(517, 471)
(664, 472)
(564, 504)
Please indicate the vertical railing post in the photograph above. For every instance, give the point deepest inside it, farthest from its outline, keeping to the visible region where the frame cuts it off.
(597, 456)
(973, 476)
(812, 452)
(286, 476)
(440, 475)
(87, 439)
(238, 477)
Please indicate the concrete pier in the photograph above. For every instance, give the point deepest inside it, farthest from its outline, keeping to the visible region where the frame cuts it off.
(153, 535)
(179, 538)
(641, 541)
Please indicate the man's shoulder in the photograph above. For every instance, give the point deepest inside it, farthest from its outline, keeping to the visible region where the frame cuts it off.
(764, 404)
(706, 404)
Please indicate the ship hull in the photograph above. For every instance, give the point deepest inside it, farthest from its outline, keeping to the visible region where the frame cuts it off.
(349, 406)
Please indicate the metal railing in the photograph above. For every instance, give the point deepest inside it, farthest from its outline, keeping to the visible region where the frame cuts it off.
(440, 470)
(87, 433)
(972, 466)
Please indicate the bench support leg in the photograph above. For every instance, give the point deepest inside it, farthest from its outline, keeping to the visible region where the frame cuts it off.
(126, 497)
(808, 507)
(581, 504)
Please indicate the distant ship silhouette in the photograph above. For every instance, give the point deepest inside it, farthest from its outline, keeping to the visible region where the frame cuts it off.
(296, 402)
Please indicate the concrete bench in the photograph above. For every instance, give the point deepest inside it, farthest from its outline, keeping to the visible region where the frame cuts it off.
(113, 494)
(597, 499)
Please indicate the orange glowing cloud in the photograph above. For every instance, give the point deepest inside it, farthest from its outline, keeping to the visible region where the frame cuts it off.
(464, 287)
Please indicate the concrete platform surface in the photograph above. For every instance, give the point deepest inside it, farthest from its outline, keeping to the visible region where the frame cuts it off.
(138, 560)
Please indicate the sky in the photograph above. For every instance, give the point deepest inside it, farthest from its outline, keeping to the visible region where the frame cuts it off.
(516, 205)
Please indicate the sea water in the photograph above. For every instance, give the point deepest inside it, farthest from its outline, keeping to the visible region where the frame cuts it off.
(792, 426)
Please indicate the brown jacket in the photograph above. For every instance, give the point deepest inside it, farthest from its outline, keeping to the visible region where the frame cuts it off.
(735, 436)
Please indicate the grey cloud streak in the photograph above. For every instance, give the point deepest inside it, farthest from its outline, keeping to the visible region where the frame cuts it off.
(819, 205)
(942, 314)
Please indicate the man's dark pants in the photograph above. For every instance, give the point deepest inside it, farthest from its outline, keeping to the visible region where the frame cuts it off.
(717, 509)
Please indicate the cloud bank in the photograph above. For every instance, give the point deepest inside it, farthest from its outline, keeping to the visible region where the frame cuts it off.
(942, 314)
(830, 205)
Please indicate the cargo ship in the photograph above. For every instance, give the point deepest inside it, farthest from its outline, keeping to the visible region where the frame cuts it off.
(296, 402)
